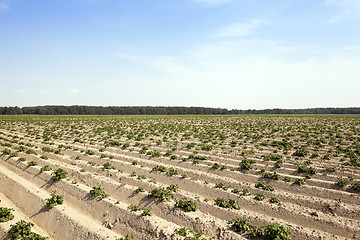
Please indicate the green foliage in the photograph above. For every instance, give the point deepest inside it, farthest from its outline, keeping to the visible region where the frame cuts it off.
(274, 200)
(138, 190)
(272, 157)
(275, 231)
(5, 214)
(301, 152)
(330, 169)
(134, 208)
(159, 168)
(59, 174)
(22, 159)
(45, 168)
(216, 166)
(187, 206)
(260, 196)
(235, 190)
(126, 238)
(227, 203)
(172, 171)
(300, 181)
(287, 179)
(303, 168)
(98, 192)
(89, 152)
(262, 185)
(30, 151)
(221, 185)
(240, 225)
(286, 145)
(269, 232)
(245, 192)
(163, 194)
(274, 175)
(22, 230)
(146, 212)
(108, 165)
(246, 164)
(356, 186)
(32, 163)
(197, 157)
(54, 200)
(342, 182)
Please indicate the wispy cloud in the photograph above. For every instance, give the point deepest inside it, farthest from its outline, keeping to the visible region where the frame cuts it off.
(20, 91)
(4, 6)
(241, 29)
(347, 9)
(73, 91)
(213, 2)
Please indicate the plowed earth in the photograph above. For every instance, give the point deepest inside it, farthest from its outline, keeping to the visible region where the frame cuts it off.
(207, 157)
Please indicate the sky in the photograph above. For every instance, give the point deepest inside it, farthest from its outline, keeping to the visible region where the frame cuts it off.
(234, 54)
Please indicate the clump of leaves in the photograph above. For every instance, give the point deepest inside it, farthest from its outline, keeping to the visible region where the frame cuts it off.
(300, 181)
(269, 232)
(89, 152)
(342, 182)
(138, 190)
(5, 214)
(246, 164)
(274, 200)
(260, 196)
(126, 238)
(287, 179)
(54, 200)
(275, 231)
(356, 186)
(301, 152)
(274, 175)
(134, 208)
(22, 159)
(98, 192)
(227, 203)
(159, 168)
(59, 174)
(189, 235)
(172, 171)
(303, 168)
(32, 163)
(262, 185)
(108, 165)
(163, 194)
(22, 230)
(45, 168)
(187, 206)
(221, 185)
(146, 212)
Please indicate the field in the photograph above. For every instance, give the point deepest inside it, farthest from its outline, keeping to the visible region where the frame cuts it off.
(181, 177)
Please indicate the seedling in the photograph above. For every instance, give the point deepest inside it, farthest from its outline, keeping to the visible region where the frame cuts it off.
(54, 200)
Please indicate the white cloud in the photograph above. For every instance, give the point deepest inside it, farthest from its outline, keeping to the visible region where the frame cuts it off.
(213, 2)
(241, 29)
(73, 91)
(20, 91)
(3, 6)
(347, 9)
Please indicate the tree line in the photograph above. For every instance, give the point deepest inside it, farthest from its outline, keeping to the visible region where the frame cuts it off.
(148, 110)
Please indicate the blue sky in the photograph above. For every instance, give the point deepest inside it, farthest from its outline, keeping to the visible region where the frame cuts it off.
(235, 54)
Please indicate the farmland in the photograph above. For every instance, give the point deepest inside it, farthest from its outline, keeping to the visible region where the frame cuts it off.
(182, 177)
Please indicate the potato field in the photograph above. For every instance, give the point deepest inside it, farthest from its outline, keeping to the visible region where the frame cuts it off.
(180, 177)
